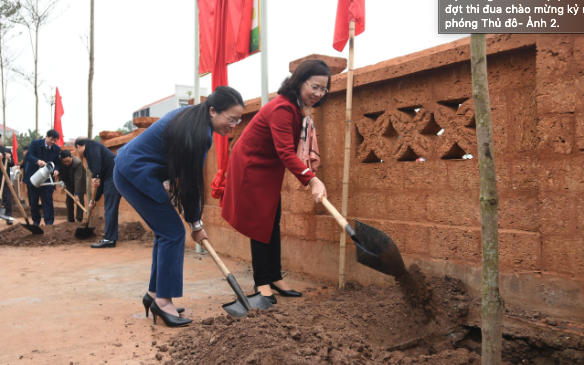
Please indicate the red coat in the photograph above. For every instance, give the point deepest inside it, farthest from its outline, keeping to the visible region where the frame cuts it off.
(266, 148)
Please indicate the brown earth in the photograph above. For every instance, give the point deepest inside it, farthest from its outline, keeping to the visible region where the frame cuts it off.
(418, 322)
(64, 234)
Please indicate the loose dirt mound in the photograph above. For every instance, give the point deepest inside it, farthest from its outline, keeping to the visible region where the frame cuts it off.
(358, 326)
(64, 234)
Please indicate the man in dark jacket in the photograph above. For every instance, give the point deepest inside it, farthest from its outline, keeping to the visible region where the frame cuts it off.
(73, 175)
(7, 162)
(40, 153)
(100, 161)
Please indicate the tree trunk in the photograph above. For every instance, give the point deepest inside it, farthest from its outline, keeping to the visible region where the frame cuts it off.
(36, 86)
(90, 81)
(492, 304)
(3, 96)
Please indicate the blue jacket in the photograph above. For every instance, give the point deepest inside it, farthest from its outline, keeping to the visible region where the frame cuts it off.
(37, 151)
(100, 161)
(143, 162)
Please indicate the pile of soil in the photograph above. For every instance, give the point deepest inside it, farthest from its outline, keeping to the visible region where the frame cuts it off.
(417, 322)
(64, 234)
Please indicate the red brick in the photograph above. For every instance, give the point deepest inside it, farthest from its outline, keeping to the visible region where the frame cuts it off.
(417, 239)
(454, 208)
(563, 254)
(452, 243)
(519, 251)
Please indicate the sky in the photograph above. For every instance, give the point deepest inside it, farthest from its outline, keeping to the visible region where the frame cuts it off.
(144, 47)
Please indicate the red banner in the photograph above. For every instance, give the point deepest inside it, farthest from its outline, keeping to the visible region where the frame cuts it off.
(224, 38)
(58, 114)
(348, 11)
(14, 148)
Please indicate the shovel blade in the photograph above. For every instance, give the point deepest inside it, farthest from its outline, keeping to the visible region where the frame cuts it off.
(33, 228)
(237, 308)
(386, 257)
(84, 232)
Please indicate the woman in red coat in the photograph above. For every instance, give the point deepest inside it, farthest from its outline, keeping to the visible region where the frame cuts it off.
(267, 147)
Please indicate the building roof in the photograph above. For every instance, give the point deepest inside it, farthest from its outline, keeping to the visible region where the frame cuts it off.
(156, 102)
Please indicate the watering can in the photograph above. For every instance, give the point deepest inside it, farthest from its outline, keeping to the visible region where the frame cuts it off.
(44, 173)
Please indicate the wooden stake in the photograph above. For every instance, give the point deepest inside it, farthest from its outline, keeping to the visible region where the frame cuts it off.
(348, 125)
(492, 304)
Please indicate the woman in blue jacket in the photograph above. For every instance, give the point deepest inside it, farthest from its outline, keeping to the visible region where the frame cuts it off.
(173, 148)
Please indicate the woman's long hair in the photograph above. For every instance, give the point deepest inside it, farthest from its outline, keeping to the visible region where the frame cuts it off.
(292, 84)
(185, 141)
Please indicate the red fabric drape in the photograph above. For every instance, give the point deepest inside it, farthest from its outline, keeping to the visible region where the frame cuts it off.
(14, 148)
(224, 39)
(58, 114)
(347, 11)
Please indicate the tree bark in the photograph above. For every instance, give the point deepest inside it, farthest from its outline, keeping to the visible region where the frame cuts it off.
(90, 81)
(492, 304)
(3, 96)
(36, 86)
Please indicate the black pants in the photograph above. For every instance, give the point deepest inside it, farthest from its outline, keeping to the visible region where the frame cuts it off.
(266, 257)
(46, 195)
(112, 207)
(71, 216)
(7, 198)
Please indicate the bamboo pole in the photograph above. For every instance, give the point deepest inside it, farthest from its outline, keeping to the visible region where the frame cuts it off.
(197, 93)
(492, 304)
(264, 50)
(348, 125)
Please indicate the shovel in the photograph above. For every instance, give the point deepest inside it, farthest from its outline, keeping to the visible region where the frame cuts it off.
(76, 202)
(33, 228)
(243, 304)
(84, 232)
(375, 249)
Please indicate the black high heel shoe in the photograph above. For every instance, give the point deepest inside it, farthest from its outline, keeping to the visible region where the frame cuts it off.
(169, 319)
(272, 299)
(147, 301)
(285, 293)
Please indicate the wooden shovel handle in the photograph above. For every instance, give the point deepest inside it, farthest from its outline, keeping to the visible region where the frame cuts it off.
(72, 197)
(338, 217)
(14, 193)
(3, 177)
(93, 192)
(215, 257)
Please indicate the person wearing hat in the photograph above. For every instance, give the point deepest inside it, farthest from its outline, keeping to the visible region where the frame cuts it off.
(8, 162)
(73, 175)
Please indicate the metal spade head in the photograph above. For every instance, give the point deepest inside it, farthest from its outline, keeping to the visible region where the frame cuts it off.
(375, 249)
(84, 232)
(238, 308)
(33, 228)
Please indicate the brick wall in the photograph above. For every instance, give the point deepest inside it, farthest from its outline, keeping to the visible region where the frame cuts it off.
(430, 208)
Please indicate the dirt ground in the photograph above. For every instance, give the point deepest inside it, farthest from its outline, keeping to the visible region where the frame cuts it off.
(65, 303)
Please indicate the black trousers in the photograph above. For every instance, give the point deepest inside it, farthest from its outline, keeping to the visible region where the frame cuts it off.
(71, 216)
(7, 198)
(112, 207)
(266, 257)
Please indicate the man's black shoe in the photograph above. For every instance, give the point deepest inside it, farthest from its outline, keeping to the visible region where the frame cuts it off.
(79, 220)
(104, 244)
(9, 222)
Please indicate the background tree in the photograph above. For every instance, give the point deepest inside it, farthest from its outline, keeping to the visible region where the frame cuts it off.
(492, 304)
(23, 140)
(8, 12)
(34, 15)
(90, 80)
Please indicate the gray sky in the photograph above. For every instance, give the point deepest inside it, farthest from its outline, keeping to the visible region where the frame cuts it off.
(144, 47)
